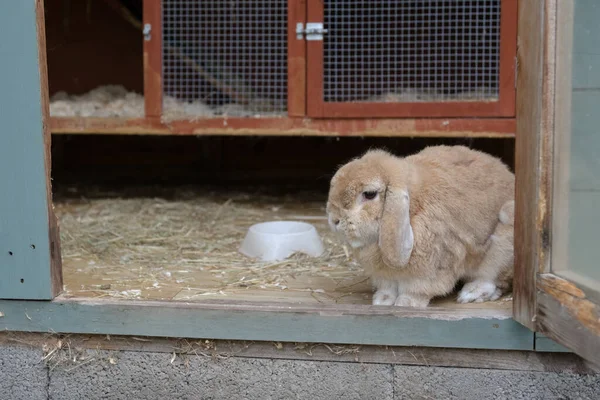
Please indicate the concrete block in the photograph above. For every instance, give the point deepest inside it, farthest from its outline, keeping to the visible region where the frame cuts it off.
(466, 384)
(131, 375)
(23, 375)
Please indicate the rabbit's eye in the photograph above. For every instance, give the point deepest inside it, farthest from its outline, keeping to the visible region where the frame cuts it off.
(369, 195)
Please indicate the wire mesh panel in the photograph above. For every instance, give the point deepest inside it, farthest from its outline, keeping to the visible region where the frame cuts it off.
(411, 51)
(224, 58)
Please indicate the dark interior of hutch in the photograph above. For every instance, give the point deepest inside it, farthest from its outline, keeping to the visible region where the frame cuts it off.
(161, 216)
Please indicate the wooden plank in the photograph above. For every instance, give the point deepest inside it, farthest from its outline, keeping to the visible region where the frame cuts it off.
(56, 276)
(347, 324)
(447, 109)
(153, 91)
(296, 98)
(545, 344)
(29, 241)
(423, 356)
(469, 127)
(567, 316)
(533, 152)
(315, 63)
(567, 312)
(546, 139)
(508, 51)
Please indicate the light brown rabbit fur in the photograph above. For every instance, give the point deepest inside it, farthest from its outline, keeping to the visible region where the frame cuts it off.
(420, 224)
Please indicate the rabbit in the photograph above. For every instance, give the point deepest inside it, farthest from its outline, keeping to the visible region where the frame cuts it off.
(421, 224)
(497, 265)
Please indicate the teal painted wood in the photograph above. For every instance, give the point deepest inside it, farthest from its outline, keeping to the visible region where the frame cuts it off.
(349, 325)
(545, 344)
(24, 232)
(584, 164)
(586, 46)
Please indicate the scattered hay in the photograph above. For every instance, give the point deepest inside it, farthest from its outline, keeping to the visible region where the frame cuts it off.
(59, 353)
(153, 247)
(338, 350)
(68, 352)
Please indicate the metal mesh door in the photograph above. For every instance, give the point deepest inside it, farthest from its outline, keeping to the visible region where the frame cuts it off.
(224, 58)
(447, 53)
(397, 50)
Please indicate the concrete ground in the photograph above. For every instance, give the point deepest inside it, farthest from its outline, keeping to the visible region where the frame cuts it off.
(142, 375)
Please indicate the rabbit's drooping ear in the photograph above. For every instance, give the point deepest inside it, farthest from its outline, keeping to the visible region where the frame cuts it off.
(396, 237)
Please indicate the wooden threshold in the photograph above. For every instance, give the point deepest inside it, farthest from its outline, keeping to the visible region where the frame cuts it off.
(568, 314)
(527, 361)
(344, 324)
(440, 127)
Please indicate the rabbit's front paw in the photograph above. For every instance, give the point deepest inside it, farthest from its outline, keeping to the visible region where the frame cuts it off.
(478, 292)
(384, 297)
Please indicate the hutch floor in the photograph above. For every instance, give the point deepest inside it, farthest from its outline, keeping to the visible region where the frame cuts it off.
(183, 245)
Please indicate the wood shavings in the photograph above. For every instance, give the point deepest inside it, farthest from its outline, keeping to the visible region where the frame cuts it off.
(114, 101)
(175, 109)
(409, 95)
(103, 102)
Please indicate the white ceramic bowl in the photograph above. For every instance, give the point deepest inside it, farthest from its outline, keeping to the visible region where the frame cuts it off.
(277, 240)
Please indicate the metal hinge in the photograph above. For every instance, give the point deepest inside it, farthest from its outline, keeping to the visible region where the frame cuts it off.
(146, 31)
(313, 31)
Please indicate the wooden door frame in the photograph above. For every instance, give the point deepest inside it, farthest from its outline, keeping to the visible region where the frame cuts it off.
(30, 259)
(543, 301)
(153, 69)
(153, 60)
(503, 108)
(535, 86)
(296, 60)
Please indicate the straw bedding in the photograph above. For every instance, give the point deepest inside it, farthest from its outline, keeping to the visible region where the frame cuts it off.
(137, 246)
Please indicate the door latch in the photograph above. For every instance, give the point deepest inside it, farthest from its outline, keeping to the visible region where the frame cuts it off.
(313, 31)
(146, 31)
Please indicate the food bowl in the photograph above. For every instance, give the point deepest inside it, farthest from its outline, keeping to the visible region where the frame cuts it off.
(277, 240)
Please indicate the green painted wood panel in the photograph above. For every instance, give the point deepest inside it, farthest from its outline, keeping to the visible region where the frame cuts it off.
(586, 46)
(270, 323)
(584, 161)
(585, 140)
(545, 344)
(24, 232)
